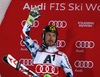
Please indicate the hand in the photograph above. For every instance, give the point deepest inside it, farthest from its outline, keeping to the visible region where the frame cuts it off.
(33, 15)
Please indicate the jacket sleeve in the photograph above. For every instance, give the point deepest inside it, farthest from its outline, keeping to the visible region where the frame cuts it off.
(31, 46)
(66, 65)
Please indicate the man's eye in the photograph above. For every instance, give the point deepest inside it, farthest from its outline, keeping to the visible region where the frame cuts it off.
(54, 35)
(48, 34)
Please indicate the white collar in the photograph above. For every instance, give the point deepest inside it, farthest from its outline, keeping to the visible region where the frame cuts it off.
(51, 49)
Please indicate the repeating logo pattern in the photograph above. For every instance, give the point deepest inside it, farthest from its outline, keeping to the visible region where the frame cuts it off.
(61, 43)
(85, 44)
(83, 64)
(27, 62)
(58, 24)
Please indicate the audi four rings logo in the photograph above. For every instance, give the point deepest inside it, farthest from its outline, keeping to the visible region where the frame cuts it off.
(35, 24)
(83, 64)
(84, 44)
(27, 62)
(58, 24)
(61, 43)
(46, 69)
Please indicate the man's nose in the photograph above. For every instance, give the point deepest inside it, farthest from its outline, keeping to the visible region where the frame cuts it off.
(51, 37)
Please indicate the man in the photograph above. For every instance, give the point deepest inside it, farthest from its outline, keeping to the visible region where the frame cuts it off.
(47, 58)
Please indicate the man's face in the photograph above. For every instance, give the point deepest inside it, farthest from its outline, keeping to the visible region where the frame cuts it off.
(50, 38)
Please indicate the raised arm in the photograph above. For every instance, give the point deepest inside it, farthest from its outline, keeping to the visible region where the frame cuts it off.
(33, 15)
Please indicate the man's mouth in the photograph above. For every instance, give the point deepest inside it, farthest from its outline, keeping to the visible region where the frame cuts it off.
(50, 42)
